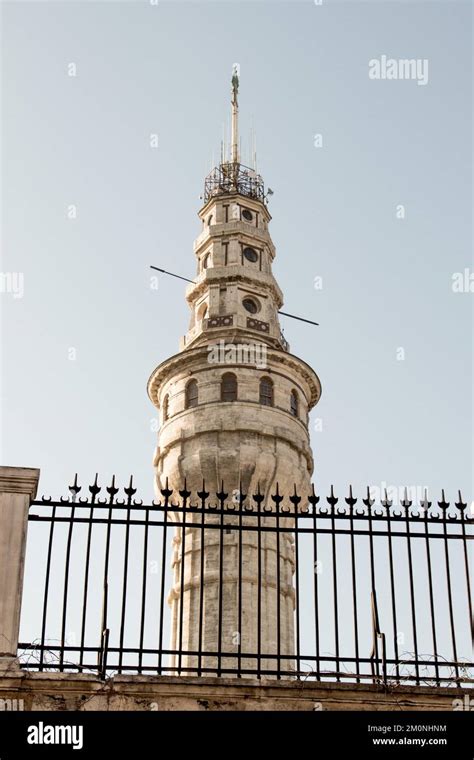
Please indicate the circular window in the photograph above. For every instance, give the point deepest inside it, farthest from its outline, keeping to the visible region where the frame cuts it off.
(251, 254)
(247, 215)
(251, 305)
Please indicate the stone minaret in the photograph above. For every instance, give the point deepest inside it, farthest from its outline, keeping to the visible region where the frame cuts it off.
(234, 406)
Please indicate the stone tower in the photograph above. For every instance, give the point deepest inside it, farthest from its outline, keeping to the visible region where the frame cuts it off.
(234, 406)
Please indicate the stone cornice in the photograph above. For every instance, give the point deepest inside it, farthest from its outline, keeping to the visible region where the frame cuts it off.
(254, 235)
(234, 334)
(23, 480)
(186, 359)
(292, 361)
(244, 200)
(240, 274)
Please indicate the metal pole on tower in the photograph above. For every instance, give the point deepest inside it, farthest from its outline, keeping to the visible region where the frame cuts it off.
(235, 116)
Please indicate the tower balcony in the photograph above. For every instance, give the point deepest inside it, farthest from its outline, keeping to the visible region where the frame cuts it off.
(228, 325)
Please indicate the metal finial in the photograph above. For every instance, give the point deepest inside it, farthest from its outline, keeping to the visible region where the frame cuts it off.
(74, 489)
(350, 499)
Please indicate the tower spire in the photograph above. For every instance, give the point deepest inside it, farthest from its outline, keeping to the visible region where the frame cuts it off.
(231, 176)
(235, 157)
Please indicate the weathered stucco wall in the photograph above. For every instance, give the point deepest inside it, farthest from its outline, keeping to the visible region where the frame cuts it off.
(66, 691)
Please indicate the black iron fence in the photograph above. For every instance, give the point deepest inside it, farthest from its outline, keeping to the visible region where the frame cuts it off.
(238, 585)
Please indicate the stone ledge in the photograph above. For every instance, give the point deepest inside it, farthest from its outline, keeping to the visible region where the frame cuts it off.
(72, 691)
(22, 480)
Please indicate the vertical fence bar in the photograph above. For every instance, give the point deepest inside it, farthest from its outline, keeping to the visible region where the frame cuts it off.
(258, 499)
(259, 589)
(369, 503)
(462, 508)
(352, 502)
(144, 586)
(75, 490)
(426, 506)
(46, 588)
(103, 651)
(278, 589)
(105, 587)
(166, 492)
(376, 635)
(443, 504)
(332, 501)
(239, 601)
(313, 500)
(221, 497)
(184, 494)
(124, 591)
(277, 499)
(129, 491)
(387, 504)
(406, 503)
(203, 495)
(66, 587)
(295, 500)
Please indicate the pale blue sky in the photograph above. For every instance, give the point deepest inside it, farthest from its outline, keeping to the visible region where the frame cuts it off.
(143, 69)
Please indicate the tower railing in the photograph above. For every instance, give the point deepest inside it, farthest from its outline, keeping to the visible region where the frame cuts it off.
(234, 178)
(236, 585)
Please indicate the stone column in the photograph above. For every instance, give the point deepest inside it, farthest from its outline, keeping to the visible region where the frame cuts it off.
(18, 487)
(225, 581)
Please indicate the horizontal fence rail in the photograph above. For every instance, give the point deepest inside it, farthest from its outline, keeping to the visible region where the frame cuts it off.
(245, 586)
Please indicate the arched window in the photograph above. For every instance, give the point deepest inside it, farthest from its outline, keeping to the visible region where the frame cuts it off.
(266, 391)
(165, 408)
(294, 404)
(202, 311)
(229, 387)
(191, 394)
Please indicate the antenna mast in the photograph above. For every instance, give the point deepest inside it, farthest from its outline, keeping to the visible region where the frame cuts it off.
(235, 116)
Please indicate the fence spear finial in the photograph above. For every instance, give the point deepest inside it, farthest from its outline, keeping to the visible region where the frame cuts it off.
(74, 489)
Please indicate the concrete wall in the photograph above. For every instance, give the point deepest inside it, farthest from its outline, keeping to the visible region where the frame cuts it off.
(17, 488)
(66, 691)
